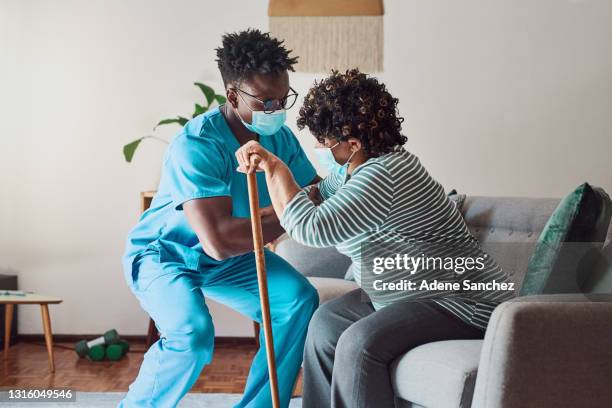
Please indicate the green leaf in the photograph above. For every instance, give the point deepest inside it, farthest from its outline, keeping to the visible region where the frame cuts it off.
(169, 121)
(208, 92)
(220, 99)
(199, 109)
(130, 148)
(210, 95)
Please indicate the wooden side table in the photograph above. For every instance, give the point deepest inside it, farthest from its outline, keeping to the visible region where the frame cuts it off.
(29, 299)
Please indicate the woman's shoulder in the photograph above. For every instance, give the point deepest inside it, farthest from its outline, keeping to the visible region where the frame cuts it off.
(399, 155)
(399, 160)
(373, 172)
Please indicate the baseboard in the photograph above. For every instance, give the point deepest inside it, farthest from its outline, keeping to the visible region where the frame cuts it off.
(73, 338)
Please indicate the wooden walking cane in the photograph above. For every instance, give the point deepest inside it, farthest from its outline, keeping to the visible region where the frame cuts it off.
(263, 283)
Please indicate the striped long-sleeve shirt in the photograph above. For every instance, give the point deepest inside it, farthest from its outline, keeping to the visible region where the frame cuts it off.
(391, 206)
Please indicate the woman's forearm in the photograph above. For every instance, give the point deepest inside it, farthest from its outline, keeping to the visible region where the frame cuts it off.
(281, 185)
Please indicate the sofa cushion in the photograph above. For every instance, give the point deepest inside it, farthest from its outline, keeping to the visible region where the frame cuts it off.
(599, 279)
(331, 288)
(349, 273)
(581, 217)
(438, 375)
(508, 228)
(321, 262)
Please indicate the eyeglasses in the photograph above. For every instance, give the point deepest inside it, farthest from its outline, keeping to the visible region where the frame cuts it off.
(271, 105)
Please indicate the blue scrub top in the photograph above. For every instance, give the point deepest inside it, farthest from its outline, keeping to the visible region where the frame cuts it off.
(198, 163)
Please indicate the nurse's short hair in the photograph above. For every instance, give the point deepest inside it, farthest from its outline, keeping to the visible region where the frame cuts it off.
(353, 104)
(245, 54)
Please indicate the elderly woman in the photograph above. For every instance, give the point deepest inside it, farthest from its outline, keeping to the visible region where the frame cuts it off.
(376, 193)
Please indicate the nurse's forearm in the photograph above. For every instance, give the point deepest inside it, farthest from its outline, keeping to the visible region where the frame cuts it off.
(281, 185)
(237, 237)
(222, 235)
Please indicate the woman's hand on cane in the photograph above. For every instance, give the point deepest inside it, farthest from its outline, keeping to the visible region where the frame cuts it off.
(282, 187)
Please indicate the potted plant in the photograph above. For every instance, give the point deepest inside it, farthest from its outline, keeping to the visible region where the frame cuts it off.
(211, 97)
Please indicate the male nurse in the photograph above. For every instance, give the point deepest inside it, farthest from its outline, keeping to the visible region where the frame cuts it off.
(195, 240)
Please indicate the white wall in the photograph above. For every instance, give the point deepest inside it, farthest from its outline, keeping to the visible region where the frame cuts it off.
(500, 98)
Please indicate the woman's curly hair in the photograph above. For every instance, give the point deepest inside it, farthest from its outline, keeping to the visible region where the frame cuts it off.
(353, 105)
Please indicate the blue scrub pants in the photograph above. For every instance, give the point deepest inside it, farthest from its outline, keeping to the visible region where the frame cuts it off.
(174, 297)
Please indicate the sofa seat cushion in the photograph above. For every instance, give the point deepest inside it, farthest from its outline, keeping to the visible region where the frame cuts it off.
(440, 374)
(331, 288)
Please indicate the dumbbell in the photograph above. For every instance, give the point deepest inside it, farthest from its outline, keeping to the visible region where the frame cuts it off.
(83, 347)
(97, 352)
(115, 352)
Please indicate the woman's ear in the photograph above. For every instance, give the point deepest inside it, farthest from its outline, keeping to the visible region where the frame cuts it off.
(354, 144)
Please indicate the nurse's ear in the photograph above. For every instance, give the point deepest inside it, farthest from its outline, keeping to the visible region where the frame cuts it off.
(232, 97)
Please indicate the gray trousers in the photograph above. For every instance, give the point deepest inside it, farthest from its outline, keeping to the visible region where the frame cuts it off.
(350, 346)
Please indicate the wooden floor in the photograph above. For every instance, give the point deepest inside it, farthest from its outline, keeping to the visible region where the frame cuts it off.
(27, 367)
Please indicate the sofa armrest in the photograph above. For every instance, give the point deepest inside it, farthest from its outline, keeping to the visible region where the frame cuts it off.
(547, 351)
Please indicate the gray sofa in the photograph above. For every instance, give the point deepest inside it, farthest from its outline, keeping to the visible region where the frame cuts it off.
(538, 351)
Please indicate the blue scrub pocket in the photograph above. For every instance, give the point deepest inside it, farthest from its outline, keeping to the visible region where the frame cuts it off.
(173, 252)
(145, 266)
(162, 258)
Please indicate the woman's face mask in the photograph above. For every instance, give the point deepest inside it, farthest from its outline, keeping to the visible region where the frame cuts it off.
(326, 159)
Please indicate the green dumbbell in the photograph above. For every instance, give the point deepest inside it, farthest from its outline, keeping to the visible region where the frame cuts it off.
(115, 352)
(97, 352)
(110, 337)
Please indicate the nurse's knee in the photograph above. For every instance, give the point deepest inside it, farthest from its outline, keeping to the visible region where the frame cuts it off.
(289, 284)
(299, 301)
(196, 335)
(308, 297)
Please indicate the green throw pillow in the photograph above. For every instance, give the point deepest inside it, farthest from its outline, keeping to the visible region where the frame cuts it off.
(575, 231)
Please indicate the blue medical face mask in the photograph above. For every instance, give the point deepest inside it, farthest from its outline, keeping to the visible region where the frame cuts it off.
(326, 159)
(266, 124)
(262, 123)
